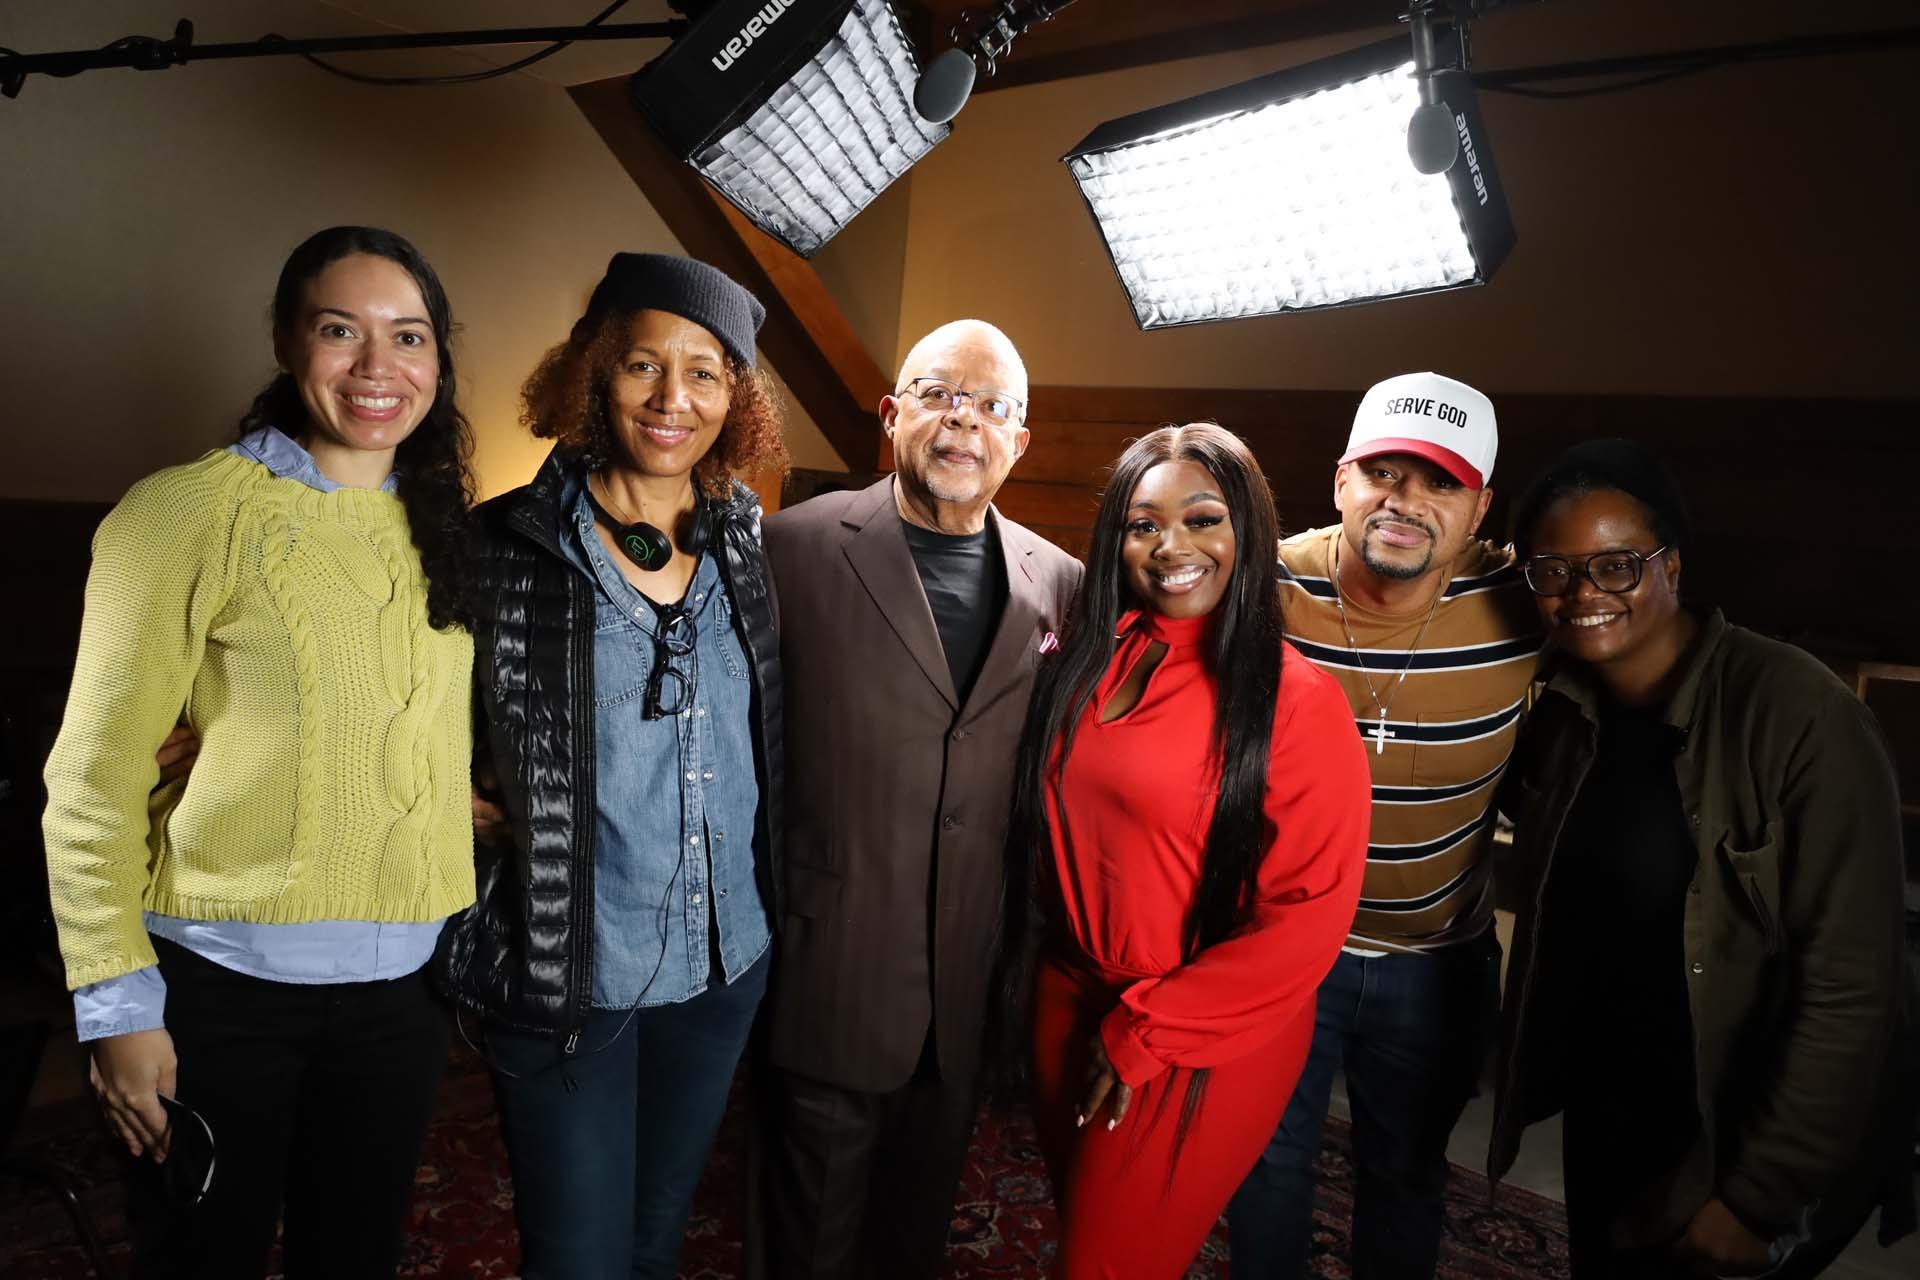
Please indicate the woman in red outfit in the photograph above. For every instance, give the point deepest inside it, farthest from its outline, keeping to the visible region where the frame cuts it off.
(1192, 806)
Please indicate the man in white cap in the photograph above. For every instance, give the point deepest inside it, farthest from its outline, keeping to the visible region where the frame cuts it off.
(1431, 632)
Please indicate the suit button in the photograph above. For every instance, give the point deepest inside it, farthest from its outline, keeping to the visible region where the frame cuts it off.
(949, 822)
(959, 735)
(1698, 967)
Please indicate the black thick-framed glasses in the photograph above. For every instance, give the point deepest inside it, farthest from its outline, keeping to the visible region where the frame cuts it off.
(1615, 572)
(939, 395)
(672, 638)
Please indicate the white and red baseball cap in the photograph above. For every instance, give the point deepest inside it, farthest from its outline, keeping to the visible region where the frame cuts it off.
(1430, 416)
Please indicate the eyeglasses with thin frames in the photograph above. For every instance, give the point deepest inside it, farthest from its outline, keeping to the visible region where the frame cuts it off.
(672, 638)
(1614, 572)
(939, 396)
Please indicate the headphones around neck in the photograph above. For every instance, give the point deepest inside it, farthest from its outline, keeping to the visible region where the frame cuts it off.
(647, 545)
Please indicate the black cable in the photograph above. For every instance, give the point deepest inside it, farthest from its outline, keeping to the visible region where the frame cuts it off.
(1594, 91)
(1652, 68)
(469, 77)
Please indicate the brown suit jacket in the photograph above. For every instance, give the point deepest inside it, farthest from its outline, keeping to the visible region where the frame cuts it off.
(897, 796)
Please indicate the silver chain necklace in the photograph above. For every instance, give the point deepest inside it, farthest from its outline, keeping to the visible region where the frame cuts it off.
(1380, 732)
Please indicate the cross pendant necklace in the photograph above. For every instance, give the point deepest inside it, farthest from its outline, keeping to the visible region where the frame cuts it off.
(1379, 733)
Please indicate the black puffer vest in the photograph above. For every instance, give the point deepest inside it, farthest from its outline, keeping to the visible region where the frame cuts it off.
(522, 955)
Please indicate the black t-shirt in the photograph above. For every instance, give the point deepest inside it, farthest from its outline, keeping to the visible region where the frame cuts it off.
(1615, 907)
(965, 579)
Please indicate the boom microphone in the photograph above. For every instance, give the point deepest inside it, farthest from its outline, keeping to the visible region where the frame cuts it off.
(1432, 144)
(945, 86)
(948, 81)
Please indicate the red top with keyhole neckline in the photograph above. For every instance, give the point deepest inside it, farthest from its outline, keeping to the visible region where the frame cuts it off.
(1128, 816)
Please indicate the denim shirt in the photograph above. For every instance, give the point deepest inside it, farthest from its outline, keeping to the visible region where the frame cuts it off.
(675, 836)
(320, 951)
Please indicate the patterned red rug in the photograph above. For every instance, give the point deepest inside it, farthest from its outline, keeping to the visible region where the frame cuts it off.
(1003, 1225)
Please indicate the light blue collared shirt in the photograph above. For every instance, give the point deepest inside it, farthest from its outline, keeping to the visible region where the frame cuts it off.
(321, 951)
(677, 852)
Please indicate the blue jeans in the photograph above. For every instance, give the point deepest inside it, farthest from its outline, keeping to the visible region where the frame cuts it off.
(608, 1144)
(1411, 1032)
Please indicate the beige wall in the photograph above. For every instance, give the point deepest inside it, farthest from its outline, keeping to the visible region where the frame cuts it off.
(146, 215)
(863, 266)
(1745, 231)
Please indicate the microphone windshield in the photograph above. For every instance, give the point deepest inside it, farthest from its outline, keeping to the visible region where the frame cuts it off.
(944, 87)
(1432, 143)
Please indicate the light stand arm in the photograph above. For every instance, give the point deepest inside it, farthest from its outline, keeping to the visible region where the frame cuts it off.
(147, 53)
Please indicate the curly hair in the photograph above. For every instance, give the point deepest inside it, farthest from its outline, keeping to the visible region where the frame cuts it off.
(565, 400)
(433, 465)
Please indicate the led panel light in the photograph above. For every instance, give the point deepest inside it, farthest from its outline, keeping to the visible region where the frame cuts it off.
(1292, 192)
(800, 112)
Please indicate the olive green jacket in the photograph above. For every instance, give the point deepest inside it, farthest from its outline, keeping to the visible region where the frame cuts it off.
(1793, 941)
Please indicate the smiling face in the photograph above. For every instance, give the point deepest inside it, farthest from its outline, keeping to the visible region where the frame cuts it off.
(1405, 515)
(363, 354)
(1607, 627)
(1178, 547)
(953, 455)
(668, 397)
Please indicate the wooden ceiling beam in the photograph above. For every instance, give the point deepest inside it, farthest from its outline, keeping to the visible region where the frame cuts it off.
(806, 336)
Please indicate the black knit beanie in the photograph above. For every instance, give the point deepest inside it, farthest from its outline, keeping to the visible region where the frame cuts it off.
(661, 282)
(1606, 464)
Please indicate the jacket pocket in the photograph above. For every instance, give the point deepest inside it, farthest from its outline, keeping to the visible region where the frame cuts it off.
(1758, 871)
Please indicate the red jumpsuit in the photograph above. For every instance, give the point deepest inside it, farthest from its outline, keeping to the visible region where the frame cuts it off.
(1129, 814)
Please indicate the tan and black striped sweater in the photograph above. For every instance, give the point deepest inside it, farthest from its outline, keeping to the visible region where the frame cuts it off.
(1449, 728)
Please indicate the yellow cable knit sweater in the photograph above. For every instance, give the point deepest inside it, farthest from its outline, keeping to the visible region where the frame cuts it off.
(291, 628)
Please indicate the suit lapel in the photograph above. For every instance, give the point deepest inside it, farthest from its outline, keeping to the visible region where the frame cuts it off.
(1026, 605)
(878, 553)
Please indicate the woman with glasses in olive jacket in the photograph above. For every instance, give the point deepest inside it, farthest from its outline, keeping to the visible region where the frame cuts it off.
(1707, 973)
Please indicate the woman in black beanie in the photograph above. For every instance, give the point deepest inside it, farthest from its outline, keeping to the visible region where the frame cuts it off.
(627, 778)
(1707, 969)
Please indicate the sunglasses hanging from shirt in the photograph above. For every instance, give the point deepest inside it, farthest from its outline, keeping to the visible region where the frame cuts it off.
(673, 638)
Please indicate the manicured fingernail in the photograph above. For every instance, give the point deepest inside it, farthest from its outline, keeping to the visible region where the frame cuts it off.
(1112, 1123)
(1079, 1122)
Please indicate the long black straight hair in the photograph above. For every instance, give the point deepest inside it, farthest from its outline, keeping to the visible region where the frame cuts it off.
(1243, 655)
(433, 465)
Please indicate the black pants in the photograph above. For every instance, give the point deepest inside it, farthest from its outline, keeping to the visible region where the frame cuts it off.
(860, 1186)
(1593, 1259)
(318, 1098)
(1608, 1160)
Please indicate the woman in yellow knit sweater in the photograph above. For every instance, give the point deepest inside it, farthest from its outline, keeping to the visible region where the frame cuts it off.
(250, 944)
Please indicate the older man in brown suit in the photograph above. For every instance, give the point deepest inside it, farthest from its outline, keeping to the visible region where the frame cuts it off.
(911, 617)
